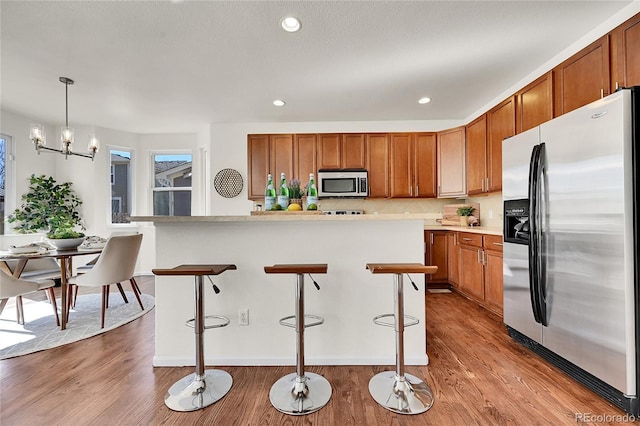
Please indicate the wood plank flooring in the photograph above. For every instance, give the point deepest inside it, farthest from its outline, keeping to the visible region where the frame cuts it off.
(478, 374)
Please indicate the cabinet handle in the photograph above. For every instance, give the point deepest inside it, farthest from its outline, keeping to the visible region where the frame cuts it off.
(601, 93)
(410, 190)
(487, 185)
(482, 185)
(466, 239)
(455, 239)
(617, 86)
(417, 191)
(480, 257)
(498, 244)
(431, 238)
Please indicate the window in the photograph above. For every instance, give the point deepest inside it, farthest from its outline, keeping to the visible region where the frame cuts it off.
(121, 176)
(6, 177)
(172, 184)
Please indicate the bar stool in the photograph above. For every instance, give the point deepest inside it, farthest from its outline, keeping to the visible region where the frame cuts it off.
(202, 388)
(300, 392)
(398, 391)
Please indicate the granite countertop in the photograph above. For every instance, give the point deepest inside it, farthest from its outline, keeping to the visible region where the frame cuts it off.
(286, 216)
(429, 219)
(490, 230)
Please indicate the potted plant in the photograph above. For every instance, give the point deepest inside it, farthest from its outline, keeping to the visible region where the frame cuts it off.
(51, 207)
(464, 212)
(295, 193)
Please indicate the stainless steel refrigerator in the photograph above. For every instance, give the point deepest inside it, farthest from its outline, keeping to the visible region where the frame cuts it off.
(571, 244)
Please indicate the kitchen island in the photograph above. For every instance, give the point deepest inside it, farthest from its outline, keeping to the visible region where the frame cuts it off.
(349, 298)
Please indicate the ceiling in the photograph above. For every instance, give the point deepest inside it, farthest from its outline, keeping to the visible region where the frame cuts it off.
(173, 66)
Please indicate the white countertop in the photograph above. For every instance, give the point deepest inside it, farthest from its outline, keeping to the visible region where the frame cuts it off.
(286, 216)
(429, 219)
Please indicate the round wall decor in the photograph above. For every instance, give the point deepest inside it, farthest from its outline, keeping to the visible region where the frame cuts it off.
(228, 183)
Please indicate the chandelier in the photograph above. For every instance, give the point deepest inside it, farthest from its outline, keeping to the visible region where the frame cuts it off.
(39, 139)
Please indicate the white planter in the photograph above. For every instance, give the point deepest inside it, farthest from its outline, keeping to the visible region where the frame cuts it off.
(66, 243)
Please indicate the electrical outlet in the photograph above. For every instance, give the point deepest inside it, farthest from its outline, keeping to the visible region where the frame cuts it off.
(243, 316)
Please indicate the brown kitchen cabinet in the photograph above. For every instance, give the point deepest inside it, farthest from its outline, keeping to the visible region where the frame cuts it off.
(413, 165)
(583, 78)
(268, 154)
(476, 137)
(304, 157)
(341, 150)
(480, 267)
(436, 255)
(471, 280)
(534, 103)
(453, 259)
(501, 124)
(377, 148)
(493, 274)
(451, 163)
(625, 54)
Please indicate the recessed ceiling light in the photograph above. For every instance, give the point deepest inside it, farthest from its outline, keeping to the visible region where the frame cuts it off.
(290, 24)
(424, 100)
(279, 102)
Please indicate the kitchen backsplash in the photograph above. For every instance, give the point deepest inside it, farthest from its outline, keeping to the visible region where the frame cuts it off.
(490, 206)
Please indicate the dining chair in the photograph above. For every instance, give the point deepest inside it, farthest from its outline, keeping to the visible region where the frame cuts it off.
(17, 287)
(115, 264)
(89, 265)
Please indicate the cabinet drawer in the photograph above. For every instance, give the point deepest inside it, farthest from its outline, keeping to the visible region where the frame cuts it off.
(493, 242)
(469, 239)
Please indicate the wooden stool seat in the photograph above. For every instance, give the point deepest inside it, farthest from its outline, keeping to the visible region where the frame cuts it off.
(195, 270)
(302, 268)
(401, 268)
(203, 387)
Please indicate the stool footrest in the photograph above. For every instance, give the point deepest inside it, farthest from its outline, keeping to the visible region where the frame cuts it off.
(318, 321)
(223, 322)
(379, 320)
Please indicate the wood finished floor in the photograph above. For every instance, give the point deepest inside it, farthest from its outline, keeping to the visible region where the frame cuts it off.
(478, 374)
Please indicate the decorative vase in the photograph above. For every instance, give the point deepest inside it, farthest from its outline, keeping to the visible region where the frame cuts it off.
(464, 221)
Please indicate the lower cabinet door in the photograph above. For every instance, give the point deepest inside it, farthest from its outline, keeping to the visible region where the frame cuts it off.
(471, 272)
(493, 288)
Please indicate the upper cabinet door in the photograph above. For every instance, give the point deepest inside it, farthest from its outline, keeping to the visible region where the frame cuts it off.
(425, 165)
(304, 156)
(451, 149)
(353, 151)
(377, 148)
(501, 121)
(258, 164)
(625, 57)
(534, 103)
(281, 156)
(329, 150)
(583, 78)
(476, 135)
(401, 165)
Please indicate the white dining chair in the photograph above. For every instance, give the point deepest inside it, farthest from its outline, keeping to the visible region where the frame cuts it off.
(17, 287)
(116, 264)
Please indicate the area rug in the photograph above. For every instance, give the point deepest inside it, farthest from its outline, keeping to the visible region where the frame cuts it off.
(40, 332)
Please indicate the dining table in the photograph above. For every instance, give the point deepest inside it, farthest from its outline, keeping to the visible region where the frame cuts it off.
(64, 258)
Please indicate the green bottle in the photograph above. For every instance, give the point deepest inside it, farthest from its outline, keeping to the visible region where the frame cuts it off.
(312, 194)
(269, 194)
(283, 192)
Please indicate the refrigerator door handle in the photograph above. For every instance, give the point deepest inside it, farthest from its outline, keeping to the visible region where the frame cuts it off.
(534, 289)
(540, 253)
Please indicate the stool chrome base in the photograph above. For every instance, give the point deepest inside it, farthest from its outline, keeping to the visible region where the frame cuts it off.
(297, 395)
(404, 395)
(193, 393)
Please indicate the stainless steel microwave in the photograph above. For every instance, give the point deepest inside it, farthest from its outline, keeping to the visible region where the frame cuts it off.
(343, 183)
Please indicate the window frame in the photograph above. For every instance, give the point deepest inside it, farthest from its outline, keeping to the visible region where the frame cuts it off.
(9, 181)
(152, 178)
(131, 190)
